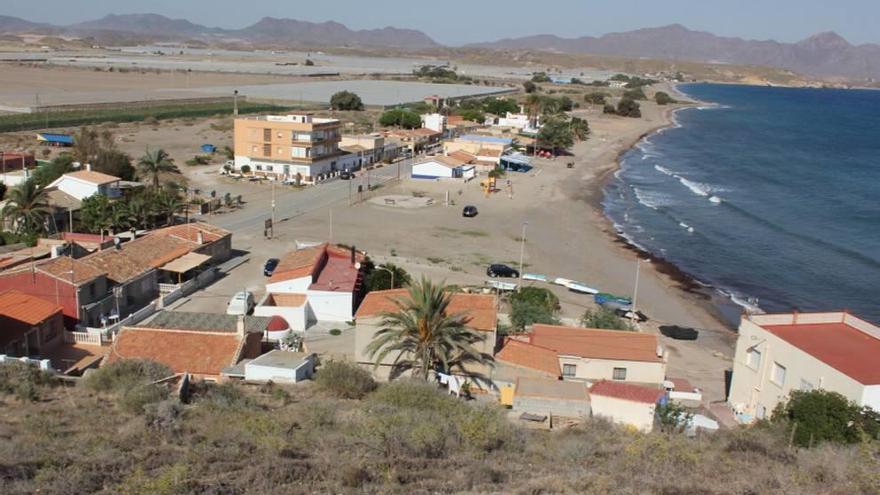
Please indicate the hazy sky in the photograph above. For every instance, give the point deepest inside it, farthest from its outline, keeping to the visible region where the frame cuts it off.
(456, 22)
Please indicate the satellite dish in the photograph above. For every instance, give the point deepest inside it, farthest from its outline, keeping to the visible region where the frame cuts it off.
(358, 265)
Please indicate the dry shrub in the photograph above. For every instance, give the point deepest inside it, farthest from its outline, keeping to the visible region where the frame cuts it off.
(345, 380)
(23, 381)
(124, 375)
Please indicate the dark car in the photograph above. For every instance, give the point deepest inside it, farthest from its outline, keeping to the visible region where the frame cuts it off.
(346, 175)
(679, 333)
(499, 270)
(469, 211)
(269, 267)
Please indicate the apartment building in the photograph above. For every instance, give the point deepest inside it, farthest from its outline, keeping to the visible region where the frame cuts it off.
(776, 354)
(293, 147)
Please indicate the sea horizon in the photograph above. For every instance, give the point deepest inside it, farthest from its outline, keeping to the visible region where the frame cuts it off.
(762, 195)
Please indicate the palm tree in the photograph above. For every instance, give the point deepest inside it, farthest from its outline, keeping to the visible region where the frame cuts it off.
(424, 336)
(580, 128)
(26, 207)
(155, 163)
(168, 204)
(121, 217)
(139, 211)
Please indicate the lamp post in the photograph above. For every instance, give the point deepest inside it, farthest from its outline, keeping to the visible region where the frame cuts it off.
(389, 271)
(522, 251)
(632, 312)
(235, 103)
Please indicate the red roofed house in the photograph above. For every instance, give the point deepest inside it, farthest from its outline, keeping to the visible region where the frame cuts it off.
(518, 359)
(479, 310)
(29, 326)
(625, 403)
(202, 344)
(590, 354)
(776, 354)
(317, 283)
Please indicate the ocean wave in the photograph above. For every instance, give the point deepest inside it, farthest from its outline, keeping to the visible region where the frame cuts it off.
(695, 187)
(686, 227)
(664, 170)
(646, 199)
(716, 200)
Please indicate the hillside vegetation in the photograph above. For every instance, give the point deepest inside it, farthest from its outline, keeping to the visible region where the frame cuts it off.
(117, 432)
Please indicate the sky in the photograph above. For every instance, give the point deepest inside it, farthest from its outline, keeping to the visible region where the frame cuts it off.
(457, 22)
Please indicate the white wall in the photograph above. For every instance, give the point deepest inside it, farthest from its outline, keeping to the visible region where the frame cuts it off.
(258, 373)
(636, 414)
(871, 397)
(431, 169)
(296, 317)
(603, 369)
(292, 286)
(76, 188)
(331, 306)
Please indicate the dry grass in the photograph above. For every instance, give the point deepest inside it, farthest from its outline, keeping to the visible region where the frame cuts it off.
(405, 438)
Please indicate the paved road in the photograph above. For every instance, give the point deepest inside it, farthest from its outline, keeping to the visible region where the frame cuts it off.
(291, 203)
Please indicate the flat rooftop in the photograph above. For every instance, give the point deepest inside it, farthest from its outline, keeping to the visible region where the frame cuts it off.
(551, 389)
(281, 359)
(839, 345)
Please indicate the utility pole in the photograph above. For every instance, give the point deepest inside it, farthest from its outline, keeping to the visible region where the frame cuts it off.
(273, 208)
(522, 252)
(632, 316)
(331, 225)
(235, 103)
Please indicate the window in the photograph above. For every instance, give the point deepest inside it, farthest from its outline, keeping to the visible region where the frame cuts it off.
(267, 134)
(298, 152)
(619, 374)
(267, 150)
(778, 376)
(753, 358)
(268, 168)
(569, 370)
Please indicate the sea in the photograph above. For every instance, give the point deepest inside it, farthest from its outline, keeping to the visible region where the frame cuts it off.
(769, 197)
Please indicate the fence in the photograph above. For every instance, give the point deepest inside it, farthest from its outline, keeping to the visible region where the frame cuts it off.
(82, 338)
(43, 364)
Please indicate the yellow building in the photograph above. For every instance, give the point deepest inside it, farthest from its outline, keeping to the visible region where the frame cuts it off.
(294, 147)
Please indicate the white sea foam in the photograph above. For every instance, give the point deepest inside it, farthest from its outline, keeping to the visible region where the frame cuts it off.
(662, 169)
(695, 187)
(686, 227)
(716, 200)
(646, 199)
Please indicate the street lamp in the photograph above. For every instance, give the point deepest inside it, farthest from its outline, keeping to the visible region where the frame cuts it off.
(522, 251)
(389, 271)
(636, 289)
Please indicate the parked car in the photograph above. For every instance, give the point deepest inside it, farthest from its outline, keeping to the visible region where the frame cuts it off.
(242, 303)
(499, 270)
(269, 267)
(627, 314)
(679, 333)
(469, 211)
(346, 175)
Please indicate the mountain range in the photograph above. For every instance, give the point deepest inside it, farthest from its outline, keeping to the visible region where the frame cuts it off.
(824, 54)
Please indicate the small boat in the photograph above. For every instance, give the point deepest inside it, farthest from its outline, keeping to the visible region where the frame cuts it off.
(534, 276)
(604, 297)
(562, 281)
(502, 286)
(579, 287)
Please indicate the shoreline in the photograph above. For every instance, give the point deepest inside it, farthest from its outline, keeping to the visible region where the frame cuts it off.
(706, 297)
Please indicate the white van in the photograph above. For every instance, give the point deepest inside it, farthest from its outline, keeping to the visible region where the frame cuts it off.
(242, 303)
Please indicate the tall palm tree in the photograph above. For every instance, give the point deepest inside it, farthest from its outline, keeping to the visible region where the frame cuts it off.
(155, 163)
(26, 207)
(424, 336)
(139, 210)
(168, 204)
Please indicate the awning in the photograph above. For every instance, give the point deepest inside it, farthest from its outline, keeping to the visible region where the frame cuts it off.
(185, 263)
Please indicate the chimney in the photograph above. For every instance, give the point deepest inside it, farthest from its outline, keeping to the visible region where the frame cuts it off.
(239, 326)
(88, 167)
(200, 238)
(353, 256)
(117, 243)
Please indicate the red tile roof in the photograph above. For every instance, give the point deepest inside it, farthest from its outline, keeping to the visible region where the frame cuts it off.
(479, 309)
(300, 263)
(277, 324)
(463, 156)
(627, 391)
(681, 384)
(596, 344)
(329, 267)
(841, 346)
(26, 308)
(190, 232)
(70, 270)
(196, 352)
(529, 356)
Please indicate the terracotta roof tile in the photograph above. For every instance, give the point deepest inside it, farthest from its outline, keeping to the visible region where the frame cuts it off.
(190, 231)
(94, 177)
(479, 308)
(529, 356)
(627, 391)
(596, 344)
(300, 263)
(26, 308)
(67, 269)
(183, 351)
(843, 347)
(463, 156)
(288, 300)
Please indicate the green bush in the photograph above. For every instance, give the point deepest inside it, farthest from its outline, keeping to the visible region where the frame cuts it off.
(819, 416)
(635, 94)
(125, 374)
(604, 318)
(628, 107)
(540, 77)
(596, 98)
(346, 100)
(663, 98)
(345, 380)
(23, 381)
(223, 397)
(533, 305)
(401, 117)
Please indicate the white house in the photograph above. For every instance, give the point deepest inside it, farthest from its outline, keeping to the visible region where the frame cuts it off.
(625, 403)
(434, 121)
(317, 283)
(86, 183)
(280, 367)
(443, 167)
(776, 354)
(519, 121)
